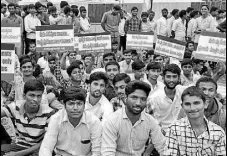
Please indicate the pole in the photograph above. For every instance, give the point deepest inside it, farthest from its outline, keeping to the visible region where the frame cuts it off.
(151, 4)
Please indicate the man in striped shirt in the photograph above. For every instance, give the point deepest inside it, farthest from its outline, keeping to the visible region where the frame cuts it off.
(31, 120)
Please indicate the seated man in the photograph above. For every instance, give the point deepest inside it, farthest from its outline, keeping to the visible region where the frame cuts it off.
(73, 131)
(31, 120)
(194, 134)
(127, 130)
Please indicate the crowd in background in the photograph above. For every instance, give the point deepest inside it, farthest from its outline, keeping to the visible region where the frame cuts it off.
(125, 102)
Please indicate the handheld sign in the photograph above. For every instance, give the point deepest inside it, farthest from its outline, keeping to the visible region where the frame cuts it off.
(76, 43)
(95, 43)
(55, 38)
(7, 61)
(211, 47)
(140, 40)
(11, 34)
(170, 47)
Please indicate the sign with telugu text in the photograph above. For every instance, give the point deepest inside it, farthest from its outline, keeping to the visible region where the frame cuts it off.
(55, 38)
(11, 34)
(95, 43)
(76, 43)
(7, 61)
(211, 47)
(170, 47)
(140, 40)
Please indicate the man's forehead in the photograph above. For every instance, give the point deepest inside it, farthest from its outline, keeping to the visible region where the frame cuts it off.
(207, 85)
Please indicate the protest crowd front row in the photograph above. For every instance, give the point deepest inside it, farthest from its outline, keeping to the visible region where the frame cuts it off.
(141, 88)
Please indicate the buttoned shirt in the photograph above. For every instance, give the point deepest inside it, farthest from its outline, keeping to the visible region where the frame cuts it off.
(85, 25)
(183, 140)
(170, 24)
(102, 109)
(185, 81)
(145, 27)
(121, 27)
(110, 21)
(121, 138)
(179, 27)
(30, 23)
(64, 20)
(67, 140)
(165, 110)
(162, 27)
(29, 132)
(208, 24)
(190, 32)
(153, 28)
(126, 68)
(133, 24)
(159, 85)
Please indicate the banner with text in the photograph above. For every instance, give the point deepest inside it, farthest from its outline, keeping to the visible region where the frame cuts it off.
(94, 43)
(170, 47)
(7, 61)
(211, 47)
(140, 40)
(55, 38)
(76, 43)
(11, 34)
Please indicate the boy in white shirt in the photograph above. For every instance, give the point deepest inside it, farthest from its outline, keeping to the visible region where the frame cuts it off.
(85, 25)
(53, 18)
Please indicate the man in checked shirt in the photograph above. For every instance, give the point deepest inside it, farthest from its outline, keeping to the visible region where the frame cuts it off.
(194, 135)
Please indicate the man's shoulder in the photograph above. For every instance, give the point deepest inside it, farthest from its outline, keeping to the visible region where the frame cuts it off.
(91, 118)
(214, 128)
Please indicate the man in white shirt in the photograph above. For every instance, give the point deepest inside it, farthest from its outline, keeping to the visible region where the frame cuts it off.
(30, 23)
(175, 16)
(138, 68)
(72, 130)
(3, 10)
(122, 33)
(84, 21)
(153, 24)
(96, 102)
(162, 24)
(191, 23)
(179, 27)
(126, 65)
(145, 25)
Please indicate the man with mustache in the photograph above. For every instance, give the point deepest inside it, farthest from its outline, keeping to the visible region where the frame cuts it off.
(194, 134)
(73, 131)
(31, 120)
(96, 102)
(120, 81)
(112, 69)
(127, 130)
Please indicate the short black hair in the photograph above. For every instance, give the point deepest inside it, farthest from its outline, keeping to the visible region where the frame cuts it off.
(173, 68)
(206, 79)
(75, 11)
(117, 7)
(31, 6)
(164, 9)
(49, 4)
(63, 4)
(127, 51)
(52, 58)
(77, 62)
(174, 12)
(156, 55)
(114, 42)
(71, 68)
(3, 5)
(186, 62)
(138, 65)
(12, 5)
(26, 60)
(154, 65)
(89, 55)
(74, 7)
(134, 8)
(213, 8)
(109, 54)
(33, 85)
(137, 85)
(189, 9)
(73, 93)
(37, 71)
(98, 76)
(190, 42)
(193, 91)
(82, 9)
(113, 63)
(144, 14)
(221, 12)
(67, 10)
(205, 6)
(182, 13)
(38, 5)
(52, 9)
(120, 77)
(197, 61)
(194, 13)
(134, 52)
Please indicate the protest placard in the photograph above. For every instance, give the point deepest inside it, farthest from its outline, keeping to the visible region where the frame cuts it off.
(211, 47)
(7, 61)
(95, 43)
(55, 38)
(140, 40)
(170, 47)
(11, 34)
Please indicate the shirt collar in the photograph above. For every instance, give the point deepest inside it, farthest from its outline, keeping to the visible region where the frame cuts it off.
(206, 122)
(87, 99)
(22, 109)
(66, 119)
(124, 115)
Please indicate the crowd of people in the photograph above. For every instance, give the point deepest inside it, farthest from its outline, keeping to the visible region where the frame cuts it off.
(125, 102)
